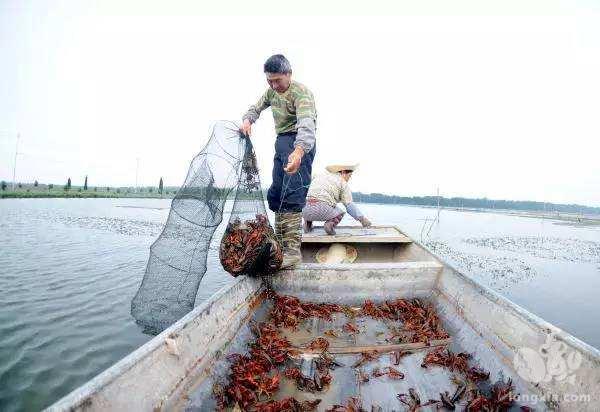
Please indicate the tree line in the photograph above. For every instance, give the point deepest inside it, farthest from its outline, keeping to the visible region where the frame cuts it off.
(68, 186)
(481, 203)
(445, 202)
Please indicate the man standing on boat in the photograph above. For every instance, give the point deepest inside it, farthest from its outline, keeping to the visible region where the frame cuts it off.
(295, 115)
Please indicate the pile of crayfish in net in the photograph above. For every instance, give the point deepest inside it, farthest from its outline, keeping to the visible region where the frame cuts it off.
(255, 377)
(250, 248)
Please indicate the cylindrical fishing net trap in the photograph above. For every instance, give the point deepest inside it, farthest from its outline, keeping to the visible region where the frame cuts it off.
(224, 170)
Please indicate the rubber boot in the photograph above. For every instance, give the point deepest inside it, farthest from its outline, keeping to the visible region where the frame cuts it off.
(279, 228)
(288, 231)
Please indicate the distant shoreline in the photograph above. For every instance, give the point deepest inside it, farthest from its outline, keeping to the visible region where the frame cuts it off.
(81, 195)
(77, 192)
(463, 203)
(49, 191)
(567, 218)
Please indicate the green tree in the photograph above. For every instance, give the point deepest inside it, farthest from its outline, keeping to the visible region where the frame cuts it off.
(151, 189)
(50, 186)
(68, 185)
(35, 184)
(95, 189)
(20, 185)
(107, 189)
(160, 186)
(85, 183)
(118, 190)
(3, 185)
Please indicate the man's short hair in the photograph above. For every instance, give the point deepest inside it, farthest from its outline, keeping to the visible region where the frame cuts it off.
(278, 64)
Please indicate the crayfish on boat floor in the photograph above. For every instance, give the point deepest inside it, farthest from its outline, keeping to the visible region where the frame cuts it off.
(455, 362)
(412, 400)
(256, 378)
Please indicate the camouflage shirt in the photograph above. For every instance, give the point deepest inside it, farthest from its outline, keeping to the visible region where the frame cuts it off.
(293, 111)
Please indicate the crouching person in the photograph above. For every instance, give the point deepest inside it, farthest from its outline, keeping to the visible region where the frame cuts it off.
(325, 192)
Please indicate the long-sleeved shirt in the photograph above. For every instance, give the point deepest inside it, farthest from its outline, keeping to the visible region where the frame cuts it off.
(332, 189)
(293, 111)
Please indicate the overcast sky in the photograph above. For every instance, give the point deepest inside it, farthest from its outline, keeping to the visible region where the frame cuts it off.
(500, 99)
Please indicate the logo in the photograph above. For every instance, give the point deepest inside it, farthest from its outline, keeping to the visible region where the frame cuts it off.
(550, 362)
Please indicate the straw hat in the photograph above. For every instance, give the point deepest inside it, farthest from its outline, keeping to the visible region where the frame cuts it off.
(337, 253)
(339, 168)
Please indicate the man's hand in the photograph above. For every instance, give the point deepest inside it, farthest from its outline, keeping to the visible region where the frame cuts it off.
(294, 160)
(246, 127)
(365, 222)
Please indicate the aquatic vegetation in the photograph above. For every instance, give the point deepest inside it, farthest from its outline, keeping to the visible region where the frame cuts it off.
(554, 248)
(500, 272)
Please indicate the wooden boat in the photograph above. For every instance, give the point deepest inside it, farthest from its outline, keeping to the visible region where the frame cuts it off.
(178, 368)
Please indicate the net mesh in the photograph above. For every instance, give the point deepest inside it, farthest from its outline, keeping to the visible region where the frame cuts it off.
(248, 246)
(178, 258)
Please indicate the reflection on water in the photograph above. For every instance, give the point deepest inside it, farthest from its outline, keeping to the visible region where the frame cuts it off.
(69, 268)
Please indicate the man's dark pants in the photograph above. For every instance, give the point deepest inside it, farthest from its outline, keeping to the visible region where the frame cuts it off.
(288, 192)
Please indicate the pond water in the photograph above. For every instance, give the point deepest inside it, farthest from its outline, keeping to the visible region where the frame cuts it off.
(69, 268)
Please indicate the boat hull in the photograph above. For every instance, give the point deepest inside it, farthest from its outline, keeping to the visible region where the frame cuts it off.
(177, 369)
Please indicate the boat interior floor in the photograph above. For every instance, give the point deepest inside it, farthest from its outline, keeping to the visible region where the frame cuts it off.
(353, 376)
(350, 378)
